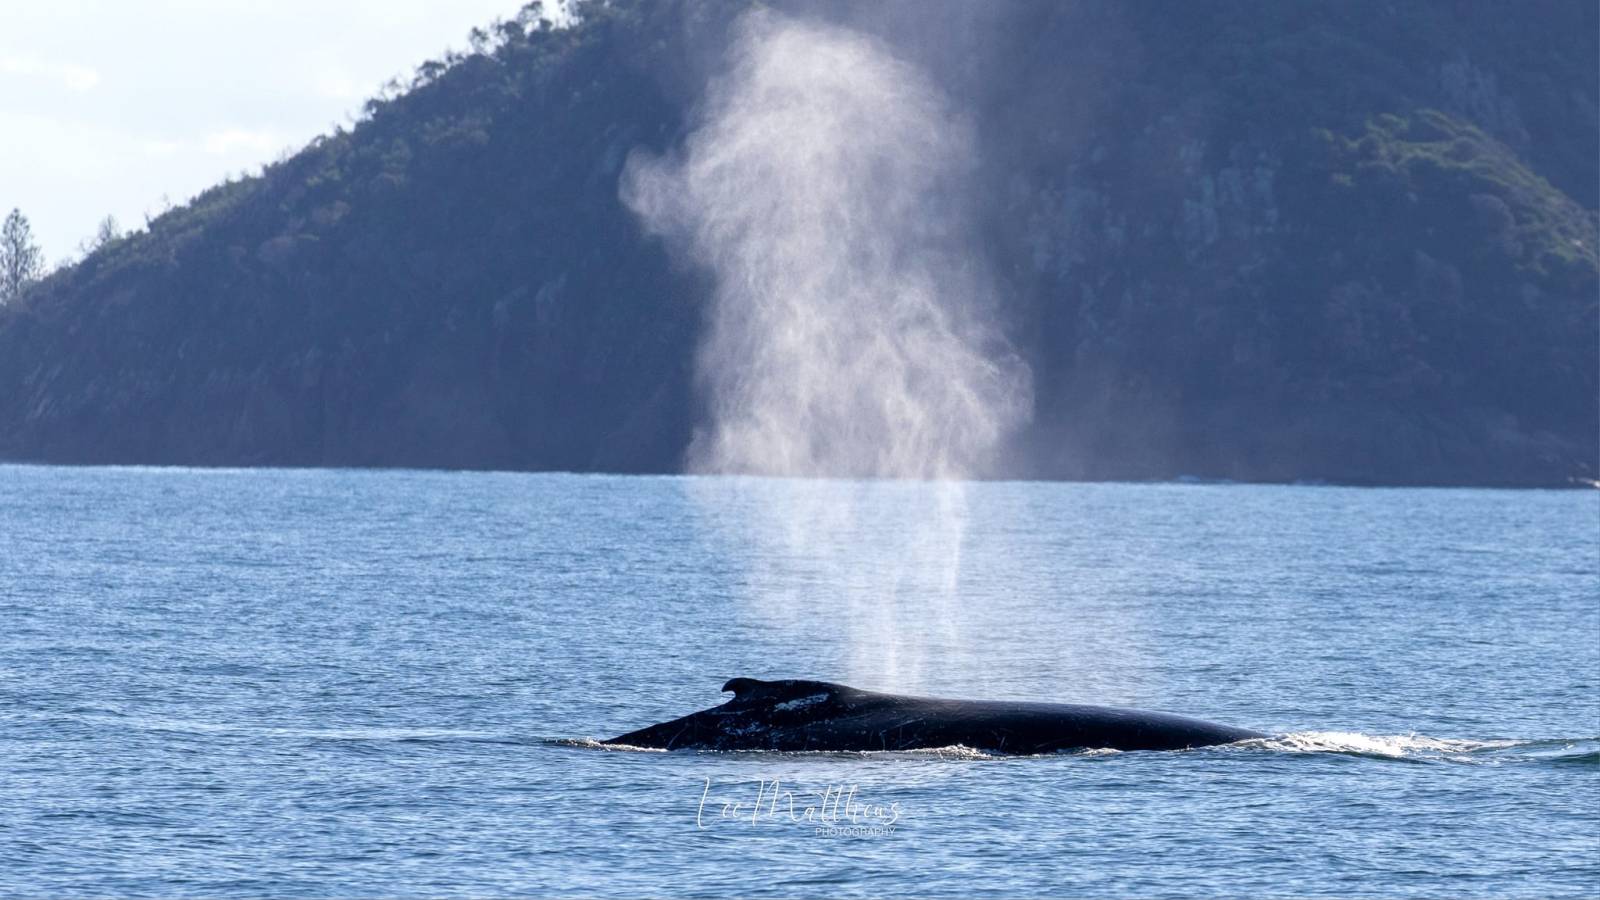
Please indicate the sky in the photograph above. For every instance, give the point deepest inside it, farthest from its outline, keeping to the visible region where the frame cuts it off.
(109, 106)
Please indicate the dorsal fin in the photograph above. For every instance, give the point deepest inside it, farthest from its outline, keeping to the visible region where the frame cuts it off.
(753, 690)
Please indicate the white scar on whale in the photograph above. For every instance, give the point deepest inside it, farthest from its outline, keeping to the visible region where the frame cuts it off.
(850, 335)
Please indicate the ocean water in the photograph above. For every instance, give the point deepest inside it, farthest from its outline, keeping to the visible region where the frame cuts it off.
(337, 683)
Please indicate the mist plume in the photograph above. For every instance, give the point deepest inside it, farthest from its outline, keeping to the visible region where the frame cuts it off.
(850, 335)
(850, 332)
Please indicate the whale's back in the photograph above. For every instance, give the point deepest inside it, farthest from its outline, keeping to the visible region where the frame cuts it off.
(796, 714)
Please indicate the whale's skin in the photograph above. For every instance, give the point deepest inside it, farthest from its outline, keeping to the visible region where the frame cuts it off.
(797, 715)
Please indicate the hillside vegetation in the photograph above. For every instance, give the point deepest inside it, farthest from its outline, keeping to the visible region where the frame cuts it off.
(1349, 242)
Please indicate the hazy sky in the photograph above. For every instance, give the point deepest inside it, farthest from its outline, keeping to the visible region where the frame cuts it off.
(107, 105)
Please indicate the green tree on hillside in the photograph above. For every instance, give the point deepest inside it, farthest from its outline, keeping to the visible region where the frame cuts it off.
(21, 260)
(108, 232)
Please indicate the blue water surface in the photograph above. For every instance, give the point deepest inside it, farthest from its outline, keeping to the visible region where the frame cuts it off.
(340, 683)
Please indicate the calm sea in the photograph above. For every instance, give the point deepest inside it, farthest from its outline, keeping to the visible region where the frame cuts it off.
(338, 683)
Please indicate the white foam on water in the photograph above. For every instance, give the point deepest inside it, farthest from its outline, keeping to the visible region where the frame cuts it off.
(592, 744)
(1394, 746)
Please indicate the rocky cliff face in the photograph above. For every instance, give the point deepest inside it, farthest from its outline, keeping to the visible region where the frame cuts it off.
(1242, 240)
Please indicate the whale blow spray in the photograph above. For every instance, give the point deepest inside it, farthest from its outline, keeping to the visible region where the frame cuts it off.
(850, 334)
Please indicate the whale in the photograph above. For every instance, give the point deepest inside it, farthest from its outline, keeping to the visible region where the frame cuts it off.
(800, 715)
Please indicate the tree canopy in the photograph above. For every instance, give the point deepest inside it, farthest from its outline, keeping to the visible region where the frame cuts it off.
(21, 260)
